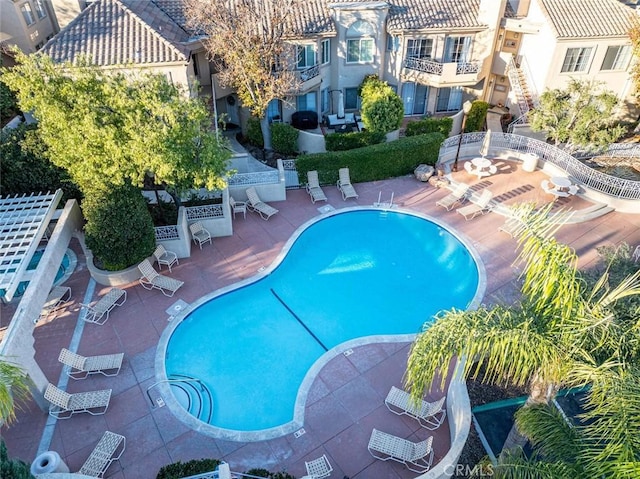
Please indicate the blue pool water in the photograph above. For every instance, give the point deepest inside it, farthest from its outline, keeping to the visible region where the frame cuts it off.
(350, 275)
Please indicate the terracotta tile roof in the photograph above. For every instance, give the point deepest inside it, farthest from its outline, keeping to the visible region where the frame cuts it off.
(433, 14)
(588, 18)
(111, 33)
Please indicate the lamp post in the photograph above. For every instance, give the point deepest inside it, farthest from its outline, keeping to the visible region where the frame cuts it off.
(466, 108)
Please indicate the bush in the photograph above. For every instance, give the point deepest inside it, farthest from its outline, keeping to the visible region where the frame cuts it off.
(270, 475)
(25, 169)
(8, 104)
(430, 125)
(179, 469)
(13, 468)
(119, 229)
(349, 141)
(376, 162)
(477, 116)
(254, 132)
(382, 109)
(284, 138)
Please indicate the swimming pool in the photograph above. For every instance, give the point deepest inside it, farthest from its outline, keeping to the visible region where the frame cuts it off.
(347, 278)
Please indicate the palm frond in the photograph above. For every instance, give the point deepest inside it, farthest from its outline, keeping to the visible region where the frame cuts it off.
(515, 465)
(14, 389)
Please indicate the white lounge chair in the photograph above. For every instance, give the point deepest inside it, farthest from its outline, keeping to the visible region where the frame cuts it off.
(478, 207)
(416, 456)
(238, 207)
(57, 298)
(99, 312)
(458, 195)
(344, 184)
(109, 449)
(199, 234)
(258, 206)
(318, 468)
(511, 226)
(151, 279)
(313, 187)
(162, 256)
(80, 366)
(430, 415)
(64, 405)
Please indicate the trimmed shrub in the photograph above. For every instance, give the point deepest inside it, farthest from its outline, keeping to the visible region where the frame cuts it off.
(269, 475)
(119, 229)
(382, 109)
(376, 162)
(13, 468)
(430, 125)
(178, 470)
(349, 141)
(284, 138)
(254, 132)
(477, 116)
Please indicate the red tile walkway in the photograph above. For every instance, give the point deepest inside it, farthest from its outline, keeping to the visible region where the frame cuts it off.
(346, 400)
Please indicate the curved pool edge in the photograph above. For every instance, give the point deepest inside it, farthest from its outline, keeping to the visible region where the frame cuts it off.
(303, 391)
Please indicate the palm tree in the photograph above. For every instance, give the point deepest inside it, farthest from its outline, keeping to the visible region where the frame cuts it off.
(14, 388)
(561, 333)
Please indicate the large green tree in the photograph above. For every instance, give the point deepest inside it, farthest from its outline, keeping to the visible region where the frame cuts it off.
(111, 130)
(247, 41)
(561, 333)
(382, 109)
(581, 115)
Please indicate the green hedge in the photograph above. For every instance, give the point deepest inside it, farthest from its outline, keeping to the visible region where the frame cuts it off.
(349, 141)
(376, 162)
(178, 470)
(430, 125)
(284, 138)
(477, 116)
(254, 132)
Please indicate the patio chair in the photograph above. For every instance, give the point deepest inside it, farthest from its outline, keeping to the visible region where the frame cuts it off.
(458, 195)
(151, 279)
(413, 455)
(478, 207)
(511, 226)
(99, 312)
(57, 298)
(313, 187)
(238, 207)
(162, 256)
(64, 405)
(635, 257)
(430, 415)
(199, 234)
(258, 206)
(318, 468)
(109, 449)
(80, 366)
(344, 184)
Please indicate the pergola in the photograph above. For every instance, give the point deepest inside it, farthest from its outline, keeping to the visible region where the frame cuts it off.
(23, 222)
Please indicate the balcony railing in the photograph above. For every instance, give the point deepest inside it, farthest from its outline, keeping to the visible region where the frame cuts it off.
(309, 73)
(436, 68)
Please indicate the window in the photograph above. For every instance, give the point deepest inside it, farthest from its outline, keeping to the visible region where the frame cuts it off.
(325, 49)
(393, 43)
(273, 111)
(456, 49)
(419, 48)
(27, 13)
(360, 43)
(449, 99)
(324, 100)
(351, 99)
(307, 102)
(617, 58)
(576, 60)
(414, 97)
(40, 9)
(306, 56)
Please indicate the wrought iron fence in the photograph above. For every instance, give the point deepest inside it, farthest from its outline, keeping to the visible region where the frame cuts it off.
(464, 68)
(581, 173)
(164, 233)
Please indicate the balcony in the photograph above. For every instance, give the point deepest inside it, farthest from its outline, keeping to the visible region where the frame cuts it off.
(309, 77)
(438, 74)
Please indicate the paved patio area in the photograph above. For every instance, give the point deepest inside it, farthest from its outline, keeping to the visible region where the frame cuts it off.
(346, 400)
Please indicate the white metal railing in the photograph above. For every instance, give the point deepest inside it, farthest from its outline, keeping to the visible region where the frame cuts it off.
(165, 233)
(254, 178)
(581, 173)
(464, 68)
(423, 65)
(309, 73)
(204, 211)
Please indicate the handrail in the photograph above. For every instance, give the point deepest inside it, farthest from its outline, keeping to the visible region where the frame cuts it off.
(183, 380)
(585, 175)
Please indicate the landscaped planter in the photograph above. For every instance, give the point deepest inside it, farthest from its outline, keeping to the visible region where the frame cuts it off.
(113, 278)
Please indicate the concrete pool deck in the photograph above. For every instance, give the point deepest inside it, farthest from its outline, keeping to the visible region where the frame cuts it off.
(346, 400)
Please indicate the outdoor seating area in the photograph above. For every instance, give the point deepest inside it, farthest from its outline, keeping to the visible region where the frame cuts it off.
(313, 187)
(479, 205)
(480, 167)
(416, 456)
(430, 415)
(344, 184)
(559, 186)
(199, 234)
(80, 367)
(238, 207)
(98, 313)
(64, 405)
(151, 279)
(164, 257)
(456, 197)
(256, 205)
